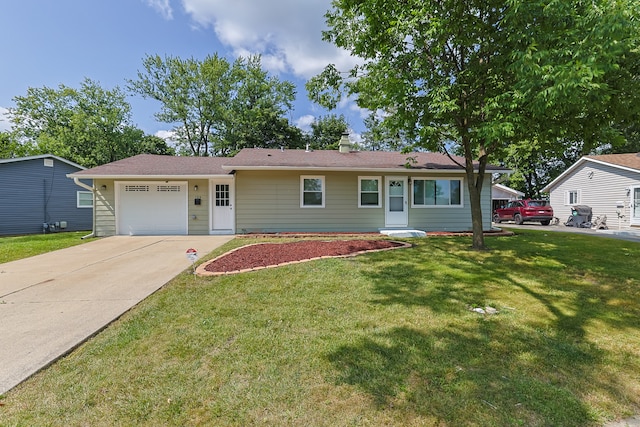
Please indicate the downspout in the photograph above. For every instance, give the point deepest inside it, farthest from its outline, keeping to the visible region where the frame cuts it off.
(76, 181)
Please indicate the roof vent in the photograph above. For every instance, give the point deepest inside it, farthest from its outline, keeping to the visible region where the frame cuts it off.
(345, 144)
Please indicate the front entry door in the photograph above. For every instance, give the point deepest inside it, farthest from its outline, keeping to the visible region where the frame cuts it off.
(397, 208)
(635, 206)
(223, 220)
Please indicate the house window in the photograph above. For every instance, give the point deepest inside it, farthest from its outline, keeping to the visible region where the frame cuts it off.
(312, 191)
(437, 192)
(369, 192)
(84, 199)
(572, 197)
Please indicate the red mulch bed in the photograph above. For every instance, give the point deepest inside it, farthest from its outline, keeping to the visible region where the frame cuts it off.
(262, 255)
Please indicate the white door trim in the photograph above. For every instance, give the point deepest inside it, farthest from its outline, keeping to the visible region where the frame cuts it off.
(393, 216)
(634, 205)
(222, 217)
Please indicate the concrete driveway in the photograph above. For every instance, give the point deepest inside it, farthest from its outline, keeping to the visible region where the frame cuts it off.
(51, 303)
(613, 232)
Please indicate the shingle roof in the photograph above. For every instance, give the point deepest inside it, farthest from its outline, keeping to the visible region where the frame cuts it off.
(257, 158)
(628, 160)
(148, 165)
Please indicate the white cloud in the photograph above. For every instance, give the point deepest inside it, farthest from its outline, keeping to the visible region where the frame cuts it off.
(5, 124)
(167, 135)
(304, 122)
(162, 7)
(287, 33)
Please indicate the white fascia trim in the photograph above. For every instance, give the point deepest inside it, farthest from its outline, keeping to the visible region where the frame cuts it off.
(148, 177)
(582, 160)
(547, 188)
(624, 168)
(42, 156)
(346, 169)
(508, 190)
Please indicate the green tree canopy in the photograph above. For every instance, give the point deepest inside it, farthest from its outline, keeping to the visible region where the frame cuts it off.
(326, 132)
(219, 108)
(9, 147)
(258, 109)
(193, 94)
(379, 137)
(475, 76)
(90, 125)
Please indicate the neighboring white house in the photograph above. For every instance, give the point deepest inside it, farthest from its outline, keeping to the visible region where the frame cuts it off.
(501, 195)
(609, 184)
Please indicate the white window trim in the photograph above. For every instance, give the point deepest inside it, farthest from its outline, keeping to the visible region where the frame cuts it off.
(632, 219)
(377, 178)
(423, 178)
(578, 197)
(78, 205)
(324, 191)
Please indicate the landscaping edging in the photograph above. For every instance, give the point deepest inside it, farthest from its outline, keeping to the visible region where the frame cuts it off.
(201, 270)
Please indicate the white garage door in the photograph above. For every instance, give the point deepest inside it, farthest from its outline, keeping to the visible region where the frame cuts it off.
(152, 208)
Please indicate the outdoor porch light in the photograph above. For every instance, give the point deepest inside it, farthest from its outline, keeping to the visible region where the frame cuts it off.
(103, 187)
(195, 188)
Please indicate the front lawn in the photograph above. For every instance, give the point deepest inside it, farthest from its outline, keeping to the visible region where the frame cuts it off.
(387, 338)
(17, 247)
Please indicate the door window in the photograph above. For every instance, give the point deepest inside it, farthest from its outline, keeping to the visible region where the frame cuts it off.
(223, 195)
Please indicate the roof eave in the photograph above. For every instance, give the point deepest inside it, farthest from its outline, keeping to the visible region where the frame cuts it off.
(580, 161)
(143, 177)
(42, 156)
(352, 169)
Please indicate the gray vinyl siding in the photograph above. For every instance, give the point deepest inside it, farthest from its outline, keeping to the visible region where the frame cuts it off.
(32, 194)
(606, 186)
(269, 201)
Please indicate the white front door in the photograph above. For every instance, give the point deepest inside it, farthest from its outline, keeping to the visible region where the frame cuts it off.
(397, 207)
(222, 198)
(635, 206)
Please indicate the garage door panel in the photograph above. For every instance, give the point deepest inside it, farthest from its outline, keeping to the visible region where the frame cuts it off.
(152, 208)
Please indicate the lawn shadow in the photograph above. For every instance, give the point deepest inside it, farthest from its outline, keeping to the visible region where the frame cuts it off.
(507, 369)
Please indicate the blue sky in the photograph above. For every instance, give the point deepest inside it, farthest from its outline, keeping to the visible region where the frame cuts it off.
(48, 43)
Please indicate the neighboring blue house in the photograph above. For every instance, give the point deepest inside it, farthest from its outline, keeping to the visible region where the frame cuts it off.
(37, 197)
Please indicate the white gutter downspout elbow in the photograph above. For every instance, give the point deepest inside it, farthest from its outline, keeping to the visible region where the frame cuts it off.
(76, 181)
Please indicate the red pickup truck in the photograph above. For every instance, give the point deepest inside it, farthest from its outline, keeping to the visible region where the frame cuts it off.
(520, 211)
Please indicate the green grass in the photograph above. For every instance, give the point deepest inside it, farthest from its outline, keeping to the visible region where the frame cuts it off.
(13, 248)
(381, 339)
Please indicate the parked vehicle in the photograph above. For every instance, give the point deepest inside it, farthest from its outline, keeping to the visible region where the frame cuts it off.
(521, 211)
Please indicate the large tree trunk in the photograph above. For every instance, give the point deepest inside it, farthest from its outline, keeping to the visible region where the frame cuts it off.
(475, 182)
